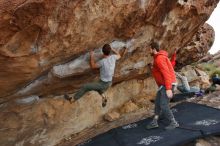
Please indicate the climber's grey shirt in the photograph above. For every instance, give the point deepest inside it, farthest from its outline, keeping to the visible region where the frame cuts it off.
(107, 67)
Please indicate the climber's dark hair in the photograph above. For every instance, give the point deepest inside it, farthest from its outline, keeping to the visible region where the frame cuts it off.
(155, 45)
(106, 49)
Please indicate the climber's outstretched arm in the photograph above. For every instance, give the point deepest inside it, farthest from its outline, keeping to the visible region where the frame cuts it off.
(93, 64)
(117, 53)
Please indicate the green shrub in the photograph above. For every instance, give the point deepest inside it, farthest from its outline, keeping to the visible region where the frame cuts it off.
(211, 69)
(215, 72)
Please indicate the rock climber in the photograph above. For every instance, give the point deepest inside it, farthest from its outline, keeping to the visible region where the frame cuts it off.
(107, 67)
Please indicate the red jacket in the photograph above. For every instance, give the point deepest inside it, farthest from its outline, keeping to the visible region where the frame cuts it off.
(163, 71)
(173, 59)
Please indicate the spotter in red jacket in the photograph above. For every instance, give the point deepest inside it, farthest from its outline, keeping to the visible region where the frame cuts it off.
(163, 71)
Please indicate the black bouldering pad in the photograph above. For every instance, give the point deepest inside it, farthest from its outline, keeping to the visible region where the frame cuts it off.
(182, 96)
(195, 121)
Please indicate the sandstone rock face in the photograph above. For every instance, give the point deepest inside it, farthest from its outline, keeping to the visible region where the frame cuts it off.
(211, 141)
(38, 34)
(216, 59)
(129, 107)
(212, 59)
(43, 52)
(196, 77)
(49, 120)
(198, 47)
(112, 116)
